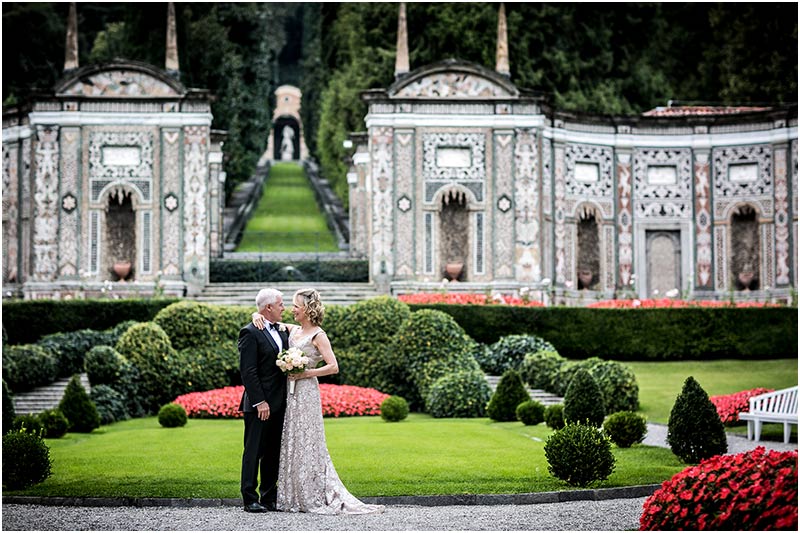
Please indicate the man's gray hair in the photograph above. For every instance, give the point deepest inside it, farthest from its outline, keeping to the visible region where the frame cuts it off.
(266, 297)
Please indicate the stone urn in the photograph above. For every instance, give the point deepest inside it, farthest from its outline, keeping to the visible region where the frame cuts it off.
(122, 269)
(585, 276)
(453, 270)
(746, 278)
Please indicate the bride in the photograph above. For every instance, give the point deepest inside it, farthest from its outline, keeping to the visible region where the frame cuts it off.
(307, 480)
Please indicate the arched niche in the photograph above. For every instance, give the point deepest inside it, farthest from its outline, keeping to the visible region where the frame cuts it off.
(454, 230)
(588, 264)
(744, 250)
(120, 233)
(286, 131)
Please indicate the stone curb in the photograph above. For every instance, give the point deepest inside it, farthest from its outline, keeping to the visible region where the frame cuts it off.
(636, 491)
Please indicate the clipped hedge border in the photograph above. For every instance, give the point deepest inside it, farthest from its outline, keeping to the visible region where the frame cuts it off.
(638, 334)
(27, 321)
(239, 271)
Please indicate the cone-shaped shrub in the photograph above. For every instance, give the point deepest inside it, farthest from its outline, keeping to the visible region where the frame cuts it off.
(8, 409)
(583, 402)
(79, 408)
(509, 394)
(695, 431)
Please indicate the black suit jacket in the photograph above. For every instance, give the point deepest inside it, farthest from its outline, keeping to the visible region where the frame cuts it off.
(263, 380)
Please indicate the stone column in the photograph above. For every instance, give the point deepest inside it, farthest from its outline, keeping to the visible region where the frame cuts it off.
(528, 257)
(704, 269)
(45, 209)
(782, 261)
(502, 205)
(195, 207)
(624, 220)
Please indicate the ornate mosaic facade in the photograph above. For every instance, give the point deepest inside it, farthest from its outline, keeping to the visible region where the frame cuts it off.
(578, 208)
(117, 167)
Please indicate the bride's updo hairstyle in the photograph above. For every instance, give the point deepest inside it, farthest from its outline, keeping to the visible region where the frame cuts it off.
(312, 305)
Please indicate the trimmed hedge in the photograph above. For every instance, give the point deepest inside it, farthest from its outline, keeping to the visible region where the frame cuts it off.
(22, 320)
(238, 271)
(638, 334)
(28, 366)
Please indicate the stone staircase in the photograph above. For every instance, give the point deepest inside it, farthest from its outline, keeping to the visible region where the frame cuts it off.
(43, 398)
(543, 397)
(245, 293)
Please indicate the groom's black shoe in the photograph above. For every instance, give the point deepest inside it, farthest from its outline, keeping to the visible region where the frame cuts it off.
(270, 506)
(255, 507)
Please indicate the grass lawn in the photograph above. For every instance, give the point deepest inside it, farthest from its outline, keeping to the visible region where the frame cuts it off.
(419, 455)
(287, 218)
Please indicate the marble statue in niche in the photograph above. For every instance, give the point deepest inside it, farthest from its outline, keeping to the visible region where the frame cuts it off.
(121, 234)
(744, 249)
(588, 273)
(454, 230)
(287, 143)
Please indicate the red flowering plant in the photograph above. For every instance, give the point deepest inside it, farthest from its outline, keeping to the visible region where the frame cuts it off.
(730, 405)
(466, 299)
(755, 490)
(337, 400)
(646, 303)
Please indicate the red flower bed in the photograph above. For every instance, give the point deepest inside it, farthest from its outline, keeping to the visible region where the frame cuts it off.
(669, 302)
(730, 405)
(337, 400)
(755, 490)
(465, 299)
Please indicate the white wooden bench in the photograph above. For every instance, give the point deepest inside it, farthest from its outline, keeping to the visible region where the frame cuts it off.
(779, 406)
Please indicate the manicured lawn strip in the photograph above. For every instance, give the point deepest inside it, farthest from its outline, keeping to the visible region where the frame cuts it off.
(661, 382)
(289, 214)
(419, 456)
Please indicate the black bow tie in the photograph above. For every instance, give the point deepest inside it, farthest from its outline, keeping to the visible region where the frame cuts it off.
(273, 326)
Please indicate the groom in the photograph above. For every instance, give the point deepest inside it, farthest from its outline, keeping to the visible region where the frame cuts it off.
(263, 402)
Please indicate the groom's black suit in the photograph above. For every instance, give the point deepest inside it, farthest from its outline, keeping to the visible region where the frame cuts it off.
(263, 382)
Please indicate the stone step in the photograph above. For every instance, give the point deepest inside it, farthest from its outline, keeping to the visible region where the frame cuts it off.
(43, 398)
(244, 293)
(539, 395)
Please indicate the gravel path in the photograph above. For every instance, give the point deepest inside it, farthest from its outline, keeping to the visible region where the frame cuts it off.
(608, 515)
(577, 515)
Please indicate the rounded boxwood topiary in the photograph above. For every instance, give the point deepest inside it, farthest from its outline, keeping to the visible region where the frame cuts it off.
(554, 416)
(579, 454)
(8, 409)
(26, 460)
(54, 422)
(209, 367)
(530, 413)
(79, 408)
(370, 324)
(394, 409)
(172, 415)
(28, 423)
(462, 394)
(70, 347)
(509, 351)
(111, 404)
(27, 366)
(625, 428)
(695, 431)
(425, 347)
(102, 365)
(509, 394)
(542, 370)
(161, 376)
(583, 402)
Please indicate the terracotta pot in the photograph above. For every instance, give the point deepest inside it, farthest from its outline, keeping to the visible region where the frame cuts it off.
(122, 269)
(585, 277)
(453, 270)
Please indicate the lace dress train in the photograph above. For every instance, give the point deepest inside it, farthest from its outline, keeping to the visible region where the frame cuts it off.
(307, 480)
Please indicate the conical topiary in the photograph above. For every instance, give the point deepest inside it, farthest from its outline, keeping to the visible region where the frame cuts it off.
(8, 409)
(695, 431)
(79, 408)
(509, 394)
(583, 402)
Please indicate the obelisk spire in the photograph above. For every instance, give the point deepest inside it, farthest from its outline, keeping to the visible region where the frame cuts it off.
(171, 64)
(502, 42)
(401, 62)
(71, 49)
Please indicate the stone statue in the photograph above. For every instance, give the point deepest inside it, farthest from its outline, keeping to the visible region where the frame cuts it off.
(287, 144)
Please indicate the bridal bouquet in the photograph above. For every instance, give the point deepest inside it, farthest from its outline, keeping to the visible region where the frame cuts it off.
(292, 361)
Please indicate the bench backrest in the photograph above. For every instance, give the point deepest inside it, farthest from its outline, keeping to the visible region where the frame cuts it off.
(782, 402)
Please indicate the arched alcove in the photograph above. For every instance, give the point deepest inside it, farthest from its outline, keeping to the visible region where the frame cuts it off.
(745, 257)
(588, 265)
(286, 133)
(454, 232)
(120, 235)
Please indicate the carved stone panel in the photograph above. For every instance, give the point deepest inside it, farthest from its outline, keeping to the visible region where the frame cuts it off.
(589, 174)
(171, 204)
(528, 251)
(742, 172)
(662, 182)
(70, 216)
(382, 175)
(452, 85)
(10, 212)
(624, 219)
(404, 190)
(449, 158)
(782, 273)
(195, 203)
(503, 221)
(561, 267)
(45, 194)
(121, 158)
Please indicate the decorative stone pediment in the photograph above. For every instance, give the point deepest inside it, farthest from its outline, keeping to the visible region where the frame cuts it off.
(453, 79)
(123, 80)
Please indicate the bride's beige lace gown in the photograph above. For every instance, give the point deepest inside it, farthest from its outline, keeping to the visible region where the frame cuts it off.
(307, 480)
